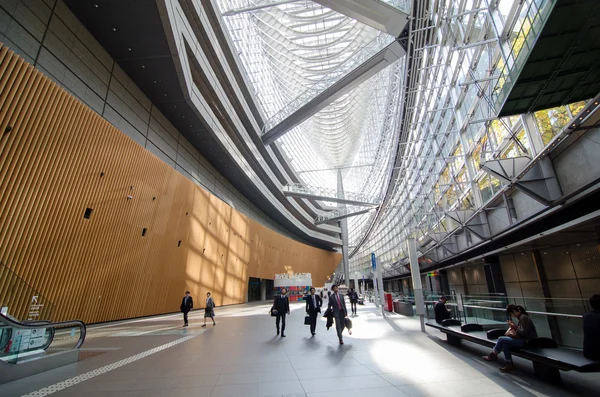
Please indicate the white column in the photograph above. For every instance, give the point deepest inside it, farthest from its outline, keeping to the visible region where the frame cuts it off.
(375, 289)
(416, 279)
(380, 284)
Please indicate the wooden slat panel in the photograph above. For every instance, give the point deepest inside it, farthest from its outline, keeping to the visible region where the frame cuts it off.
(102, 269)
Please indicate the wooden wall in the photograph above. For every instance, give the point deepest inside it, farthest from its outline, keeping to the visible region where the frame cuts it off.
(59, 158)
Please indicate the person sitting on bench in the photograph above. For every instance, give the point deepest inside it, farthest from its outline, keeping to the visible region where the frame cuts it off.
(440, 311)
(515, 337)
(591, 330)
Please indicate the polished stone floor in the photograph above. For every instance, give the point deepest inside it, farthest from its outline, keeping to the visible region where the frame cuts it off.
(242, 356)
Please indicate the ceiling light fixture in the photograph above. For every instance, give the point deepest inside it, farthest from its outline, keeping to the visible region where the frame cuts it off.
(114, 29)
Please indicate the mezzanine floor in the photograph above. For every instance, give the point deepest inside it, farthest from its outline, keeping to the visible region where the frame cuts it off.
(242, 356)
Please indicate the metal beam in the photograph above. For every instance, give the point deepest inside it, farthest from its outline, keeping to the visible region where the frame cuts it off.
(382, 59)
(324, 219)
(310, 196)
(374, 13)
(337, 168)
(257, 7)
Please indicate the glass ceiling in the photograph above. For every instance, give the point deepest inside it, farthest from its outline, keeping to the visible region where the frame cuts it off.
(463, 54)
(292, 51)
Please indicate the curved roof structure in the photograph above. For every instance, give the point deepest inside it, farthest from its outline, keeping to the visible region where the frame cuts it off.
(291, 48)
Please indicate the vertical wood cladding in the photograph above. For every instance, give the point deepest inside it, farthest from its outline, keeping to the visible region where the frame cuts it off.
(61, 158)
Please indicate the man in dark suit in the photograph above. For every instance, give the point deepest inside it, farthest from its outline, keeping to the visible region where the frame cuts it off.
(187, 304)
(313, 308)
(282, 305)
(353, 296)
(338, 305)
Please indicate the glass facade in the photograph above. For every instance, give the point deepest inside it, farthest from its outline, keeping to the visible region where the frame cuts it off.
(463, 55)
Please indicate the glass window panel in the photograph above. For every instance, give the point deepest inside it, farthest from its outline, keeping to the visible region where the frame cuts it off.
(495, 184)
(577, 107)
(551, 121)
(513, 150)
(485, 188)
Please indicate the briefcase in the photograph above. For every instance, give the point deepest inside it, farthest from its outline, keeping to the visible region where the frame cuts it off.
(306, 320)
(348, 323)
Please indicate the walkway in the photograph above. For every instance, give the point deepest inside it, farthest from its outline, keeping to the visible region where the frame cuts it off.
(241, 356)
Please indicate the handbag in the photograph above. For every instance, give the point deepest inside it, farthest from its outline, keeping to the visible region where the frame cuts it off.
(306, 320)
(273, 312)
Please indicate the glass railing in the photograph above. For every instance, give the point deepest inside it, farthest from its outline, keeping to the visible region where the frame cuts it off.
(22, 341)
(530, 23)
(351, 63)
(559, 319)
(20, 300)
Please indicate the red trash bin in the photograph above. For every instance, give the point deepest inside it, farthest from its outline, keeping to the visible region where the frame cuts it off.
(389, 306)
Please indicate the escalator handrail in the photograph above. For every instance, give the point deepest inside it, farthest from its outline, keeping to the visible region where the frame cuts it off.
(62, 324)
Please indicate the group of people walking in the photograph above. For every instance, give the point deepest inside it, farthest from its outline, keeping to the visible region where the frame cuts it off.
(187, 304)
(336, 311)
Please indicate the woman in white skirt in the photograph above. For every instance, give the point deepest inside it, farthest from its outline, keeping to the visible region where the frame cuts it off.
(209, 310)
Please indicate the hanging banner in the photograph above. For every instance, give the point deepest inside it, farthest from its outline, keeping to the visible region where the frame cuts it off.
(373, 261)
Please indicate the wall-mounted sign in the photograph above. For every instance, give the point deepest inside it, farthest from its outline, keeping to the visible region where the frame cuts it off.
(34, 308)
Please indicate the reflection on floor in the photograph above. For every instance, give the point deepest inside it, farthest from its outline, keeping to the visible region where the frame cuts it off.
(242, 356)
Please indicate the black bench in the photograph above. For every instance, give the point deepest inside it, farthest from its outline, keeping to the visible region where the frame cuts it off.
(548, 359)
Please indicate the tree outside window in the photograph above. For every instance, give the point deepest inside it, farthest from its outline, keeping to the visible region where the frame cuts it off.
(551, 121)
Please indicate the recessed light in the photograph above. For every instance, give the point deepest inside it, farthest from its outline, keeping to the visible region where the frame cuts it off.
(595, 103)
(574, 125)
(143, 66)
(175, 106)
(581, 118)
(191, 125)
(128, 48)
(165, 94)
(155, 81)
(114, 29)
(183, 117)
(95, 5)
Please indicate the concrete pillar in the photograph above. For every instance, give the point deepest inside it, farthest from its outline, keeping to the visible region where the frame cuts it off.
(416, 279)
(380, 284)
(344, 227)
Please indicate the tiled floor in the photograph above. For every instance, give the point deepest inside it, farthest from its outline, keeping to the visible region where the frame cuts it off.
(242, 356)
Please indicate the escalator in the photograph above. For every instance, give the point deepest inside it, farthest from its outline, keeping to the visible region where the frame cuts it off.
(31, 347)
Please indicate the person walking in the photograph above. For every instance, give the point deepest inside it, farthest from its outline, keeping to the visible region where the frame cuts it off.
(209, 310)
(515, 338)
(282, 305)
(313, 308)
(353, 296)
(337, 304)
(187, 304)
